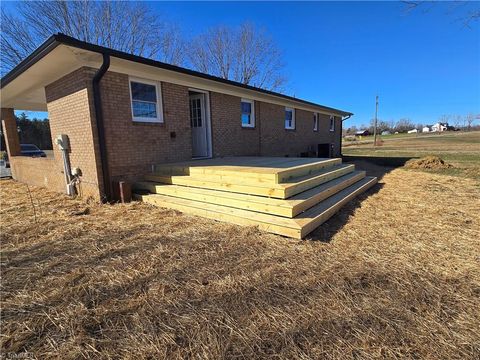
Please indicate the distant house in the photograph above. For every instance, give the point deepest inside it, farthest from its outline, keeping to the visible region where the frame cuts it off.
(439, 127)
(363, 133)
(427, 129)
(413, 131)
(386, 132)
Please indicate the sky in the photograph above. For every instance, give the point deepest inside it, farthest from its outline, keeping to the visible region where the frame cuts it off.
(422, 64)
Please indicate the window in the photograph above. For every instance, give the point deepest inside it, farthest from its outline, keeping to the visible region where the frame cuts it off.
(146, 105)
(315, 121)
(332, 123)
(248, 113)
(289, 118)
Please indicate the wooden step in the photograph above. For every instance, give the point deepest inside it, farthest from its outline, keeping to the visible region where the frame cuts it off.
(281, 207)
(242, 185)
(268, 169)
(297, 227)
(301, 184)
(307, 199)
(317, 215)
(306, 169)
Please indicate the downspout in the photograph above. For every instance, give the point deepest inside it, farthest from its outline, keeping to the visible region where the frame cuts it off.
(97, 101)
(341, 131)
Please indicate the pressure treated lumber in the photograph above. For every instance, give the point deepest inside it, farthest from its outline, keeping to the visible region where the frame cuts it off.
(266, 169)
(281, 207)
(249, 186)
(297, 227)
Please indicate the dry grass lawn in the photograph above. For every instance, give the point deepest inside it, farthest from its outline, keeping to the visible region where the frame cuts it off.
(395, 275)
(460, 149)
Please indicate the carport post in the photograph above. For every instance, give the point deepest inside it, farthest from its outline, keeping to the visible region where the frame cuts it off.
(10, 132)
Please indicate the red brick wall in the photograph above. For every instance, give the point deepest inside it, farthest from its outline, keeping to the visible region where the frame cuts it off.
(278, 141)
(229, 138)
(39, 172)
(69, 104)
(133, 147)
(71, 112)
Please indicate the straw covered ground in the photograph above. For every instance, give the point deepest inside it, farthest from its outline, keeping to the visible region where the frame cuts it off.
(396, 274)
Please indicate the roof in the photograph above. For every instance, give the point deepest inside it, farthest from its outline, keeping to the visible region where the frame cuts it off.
(60, 39)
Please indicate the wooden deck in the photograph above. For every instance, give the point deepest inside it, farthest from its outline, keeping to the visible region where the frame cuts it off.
(286, 196)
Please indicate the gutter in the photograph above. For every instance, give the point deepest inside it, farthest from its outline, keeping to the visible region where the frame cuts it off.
(341, 130)
(97, 101)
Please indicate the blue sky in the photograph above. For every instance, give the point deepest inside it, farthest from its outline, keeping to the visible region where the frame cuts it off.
(341, 54)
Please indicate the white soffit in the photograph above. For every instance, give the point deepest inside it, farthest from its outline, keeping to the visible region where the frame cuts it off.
(27, 90)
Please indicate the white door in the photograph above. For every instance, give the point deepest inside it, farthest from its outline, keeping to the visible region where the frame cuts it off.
(199, 125)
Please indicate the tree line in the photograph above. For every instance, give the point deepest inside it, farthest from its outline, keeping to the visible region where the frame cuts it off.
(32, 131)
(246, 53)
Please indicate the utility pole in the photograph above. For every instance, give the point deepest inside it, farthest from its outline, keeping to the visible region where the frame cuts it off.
(375, 125)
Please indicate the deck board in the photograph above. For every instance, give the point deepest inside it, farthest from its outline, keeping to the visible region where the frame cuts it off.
(297, 227)
(270, 168)
(252, 186)
(286, 196)
(282, 207)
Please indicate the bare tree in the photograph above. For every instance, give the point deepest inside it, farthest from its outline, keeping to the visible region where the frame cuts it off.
(132, 27)
(470, 118)
(457, 120)
(403, 125)
(245, 54)
(382, 126)
(444, 118)
(213, 52)
(465, 11)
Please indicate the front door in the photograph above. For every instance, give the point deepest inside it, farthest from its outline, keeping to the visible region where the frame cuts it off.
(199, 125)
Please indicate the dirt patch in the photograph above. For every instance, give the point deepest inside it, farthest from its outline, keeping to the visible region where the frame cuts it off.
(428, 162)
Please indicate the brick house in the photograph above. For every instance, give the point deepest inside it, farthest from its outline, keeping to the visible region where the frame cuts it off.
(123, 114)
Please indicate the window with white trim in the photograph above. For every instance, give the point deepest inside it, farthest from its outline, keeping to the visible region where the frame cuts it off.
(315, 121)
(146, 101)
(248, 113)
(289, 118)
(332, 123)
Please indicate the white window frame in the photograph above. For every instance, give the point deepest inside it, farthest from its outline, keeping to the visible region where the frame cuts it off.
(158, 93)
(293, 119)
(252, 114)
(332, 123)
(315, 121)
